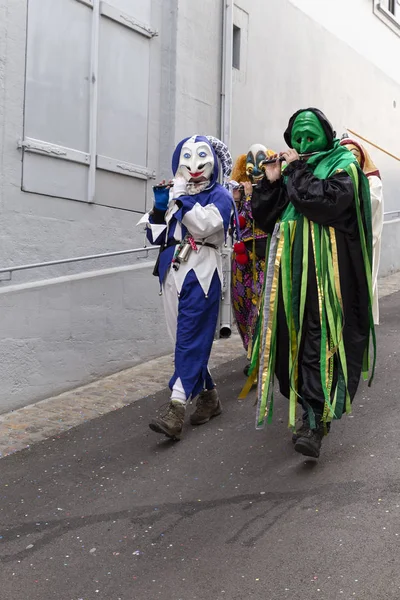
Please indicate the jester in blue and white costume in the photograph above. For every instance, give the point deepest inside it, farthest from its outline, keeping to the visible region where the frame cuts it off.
(190, 221)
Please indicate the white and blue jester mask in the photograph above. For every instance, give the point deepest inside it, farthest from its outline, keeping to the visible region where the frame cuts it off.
(196, 160)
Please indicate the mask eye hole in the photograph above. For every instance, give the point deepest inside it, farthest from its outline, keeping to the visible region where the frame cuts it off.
(202, 154)
(187, 155)
(310, 139)
(298, 140)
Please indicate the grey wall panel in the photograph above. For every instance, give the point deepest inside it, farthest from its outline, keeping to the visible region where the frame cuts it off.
(57, 72)
(59, 107)
(389, 262)
(140, 9)
(54, 177)
(123, 93)
(122, 191)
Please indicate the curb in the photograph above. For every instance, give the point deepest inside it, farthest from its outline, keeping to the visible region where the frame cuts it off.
(21, 428)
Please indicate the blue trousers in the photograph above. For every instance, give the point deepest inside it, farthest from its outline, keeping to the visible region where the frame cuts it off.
(196, 317)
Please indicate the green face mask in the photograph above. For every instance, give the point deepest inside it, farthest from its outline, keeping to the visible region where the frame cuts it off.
(308, 135)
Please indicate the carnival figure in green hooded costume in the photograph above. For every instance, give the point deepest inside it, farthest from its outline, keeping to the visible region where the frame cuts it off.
(315, 323)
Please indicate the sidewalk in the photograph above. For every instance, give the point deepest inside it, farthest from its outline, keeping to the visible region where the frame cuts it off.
(47, 418)
(21, 428)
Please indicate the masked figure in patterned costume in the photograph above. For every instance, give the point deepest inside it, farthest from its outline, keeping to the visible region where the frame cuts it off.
(248, 259)
(316, 319)
(190, 221)
(375, 186)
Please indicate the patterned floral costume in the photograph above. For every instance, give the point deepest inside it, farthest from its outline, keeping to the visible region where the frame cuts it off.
(248, 279)
(248, 273)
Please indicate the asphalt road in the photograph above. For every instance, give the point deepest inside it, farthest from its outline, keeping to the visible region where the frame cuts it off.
(111, 511)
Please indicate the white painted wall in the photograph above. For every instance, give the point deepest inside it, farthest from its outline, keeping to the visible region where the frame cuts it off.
(294, 61)
(354, 22)
(35, 227)
(63, 326)
(198, 68)
(61, 332)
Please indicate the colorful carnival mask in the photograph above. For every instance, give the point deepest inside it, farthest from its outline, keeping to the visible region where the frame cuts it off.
(307, 134)
(256, 154)
(196, 161)
(363, 158)
(357, 153)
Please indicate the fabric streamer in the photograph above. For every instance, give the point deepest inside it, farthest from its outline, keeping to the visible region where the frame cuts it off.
(287, 261)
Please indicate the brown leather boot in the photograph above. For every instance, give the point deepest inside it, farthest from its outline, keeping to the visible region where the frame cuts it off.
(208, 405)
(171, 422)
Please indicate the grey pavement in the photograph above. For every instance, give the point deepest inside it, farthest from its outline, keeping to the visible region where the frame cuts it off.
(42, 420)
(109, 510)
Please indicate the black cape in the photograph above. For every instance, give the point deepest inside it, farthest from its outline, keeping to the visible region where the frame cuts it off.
(328, 202)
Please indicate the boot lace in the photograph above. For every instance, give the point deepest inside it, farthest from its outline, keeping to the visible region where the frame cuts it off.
(166, 410)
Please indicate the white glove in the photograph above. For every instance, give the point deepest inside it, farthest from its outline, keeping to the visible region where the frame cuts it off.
(179, 187)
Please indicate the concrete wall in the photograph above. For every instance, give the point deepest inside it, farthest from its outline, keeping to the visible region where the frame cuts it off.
(191, 74)
(297, 60)
(357, 23)
(65, 325)
(198, 68)
(57, 334)
(38, 228)
(35, 227)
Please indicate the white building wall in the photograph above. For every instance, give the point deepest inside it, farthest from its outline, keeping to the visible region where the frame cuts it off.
(66, 325)
(297, 59)
(59, 333)
(198, 68)
(36, 227)
(356, 23)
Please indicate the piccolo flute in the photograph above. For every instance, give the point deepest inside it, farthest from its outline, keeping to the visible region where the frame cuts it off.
(241, 186)
(271, 161)
(163, 186)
